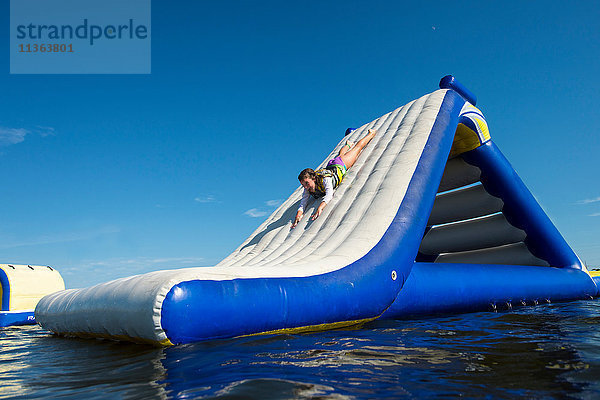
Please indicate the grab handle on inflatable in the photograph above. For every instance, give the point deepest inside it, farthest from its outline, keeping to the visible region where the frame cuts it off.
(449, 82)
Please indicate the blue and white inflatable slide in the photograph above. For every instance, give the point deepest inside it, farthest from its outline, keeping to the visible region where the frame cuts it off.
(432, 218)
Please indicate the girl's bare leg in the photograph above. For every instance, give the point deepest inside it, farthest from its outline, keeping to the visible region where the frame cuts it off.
(346, 148)
(350, 156)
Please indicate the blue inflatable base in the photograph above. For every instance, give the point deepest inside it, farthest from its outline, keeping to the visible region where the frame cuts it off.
(434, 288)
(17, 318)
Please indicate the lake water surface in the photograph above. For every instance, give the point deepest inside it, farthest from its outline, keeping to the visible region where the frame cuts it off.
(547, 351)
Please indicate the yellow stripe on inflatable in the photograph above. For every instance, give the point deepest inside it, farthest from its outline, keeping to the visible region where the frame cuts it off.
(315, 328)
(484, 131)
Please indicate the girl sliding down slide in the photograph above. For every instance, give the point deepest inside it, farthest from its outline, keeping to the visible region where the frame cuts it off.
(322, 182)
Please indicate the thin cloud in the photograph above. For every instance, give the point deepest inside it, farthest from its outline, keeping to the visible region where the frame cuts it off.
(589, 201)
(594, 215)
(255, 213)
(206, 199)
(44, 131)
(261, 212)
(10, 136)
(274, 203)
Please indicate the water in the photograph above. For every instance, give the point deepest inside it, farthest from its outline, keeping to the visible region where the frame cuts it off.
(547, 351)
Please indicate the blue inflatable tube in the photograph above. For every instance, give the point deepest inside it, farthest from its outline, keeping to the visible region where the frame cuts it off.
(449, 82)
(5, 286)
(443, 288)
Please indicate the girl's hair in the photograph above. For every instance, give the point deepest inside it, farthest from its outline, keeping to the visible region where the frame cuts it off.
(307, 173)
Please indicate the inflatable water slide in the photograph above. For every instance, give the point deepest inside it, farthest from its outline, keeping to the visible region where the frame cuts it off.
(432, 218)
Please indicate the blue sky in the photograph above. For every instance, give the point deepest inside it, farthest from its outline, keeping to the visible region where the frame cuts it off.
(106, 176)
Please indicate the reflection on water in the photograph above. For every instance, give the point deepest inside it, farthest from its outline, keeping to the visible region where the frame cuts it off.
(51, 366)
(549, 351)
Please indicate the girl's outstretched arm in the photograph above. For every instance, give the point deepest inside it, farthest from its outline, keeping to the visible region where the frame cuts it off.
(319, 211)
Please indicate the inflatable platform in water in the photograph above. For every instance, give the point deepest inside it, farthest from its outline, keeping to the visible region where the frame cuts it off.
(431, 218)
(21, 287)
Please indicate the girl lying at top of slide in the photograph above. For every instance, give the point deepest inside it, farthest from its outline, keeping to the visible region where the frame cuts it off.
(322, 182)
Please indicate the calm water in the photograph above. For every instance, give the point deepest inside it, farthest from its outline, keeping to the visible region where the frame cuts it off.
(548, 351)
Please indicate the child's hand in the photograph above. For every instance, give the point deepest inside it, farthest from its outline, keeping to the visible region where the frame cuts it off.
(297, 219)
(319, 211)
(316, 214)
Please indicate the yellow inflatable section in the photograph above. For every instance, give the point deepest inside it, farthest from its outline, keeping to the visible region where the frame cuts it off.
(21, 287)
(472, 131)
